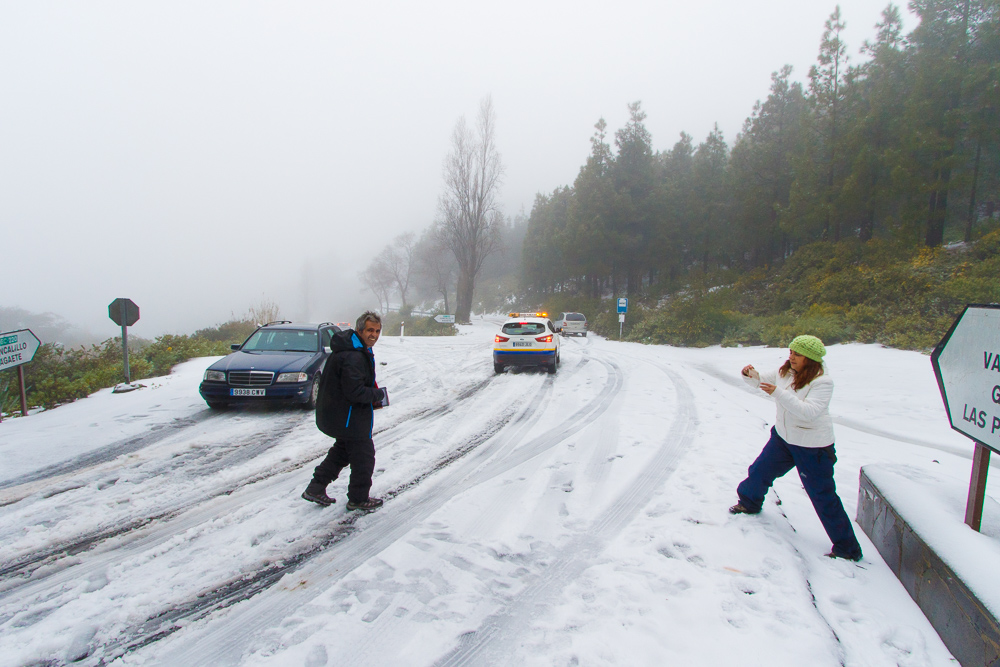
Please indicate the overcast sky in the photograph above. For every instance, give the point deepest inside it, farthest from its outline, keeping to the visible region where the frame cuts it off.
(200, 157)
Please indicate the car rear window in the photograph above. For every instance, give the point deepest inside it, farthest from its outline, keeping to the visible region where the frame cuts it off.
(575, 317)
(523, 328)
(282, 340)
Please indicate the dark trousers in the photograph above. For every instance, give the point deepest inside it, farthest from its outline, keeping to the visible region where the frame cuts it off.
(815, 466)
(360, 455)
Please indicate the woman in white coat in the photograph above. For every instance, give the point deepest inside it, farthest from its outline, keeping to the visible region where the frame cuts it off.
(802, 437)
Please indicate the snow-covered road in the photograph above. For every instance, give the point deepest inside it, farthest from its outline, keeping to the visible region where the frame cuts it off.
(575, 519)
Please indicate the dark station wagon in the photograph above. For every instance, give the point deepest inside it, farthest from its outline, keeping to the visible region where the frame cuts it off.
(280, 362)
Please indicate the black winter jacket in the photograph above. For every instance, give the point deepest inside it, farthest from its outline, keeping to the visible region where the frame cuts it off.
(347, 389)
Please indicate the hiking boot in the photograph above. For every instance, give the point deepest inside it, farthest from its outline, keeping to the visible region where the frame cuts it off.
(855, 558)
(317, 494)
(366, 505)
(740, 508)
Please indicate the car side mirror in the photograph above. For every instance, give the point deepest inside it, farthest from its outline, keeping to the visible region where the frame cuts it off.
(234, 346)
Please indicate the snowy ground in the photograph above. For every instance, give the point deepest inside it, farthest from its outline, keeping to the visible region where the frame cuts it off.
(575, 519)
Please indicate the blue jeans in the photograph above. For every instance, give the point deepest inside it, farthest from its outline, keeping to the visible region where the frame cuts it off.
(815, 466)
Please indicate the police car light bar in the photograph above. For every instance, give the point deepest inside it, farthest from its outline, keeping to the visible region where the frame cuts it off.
(528, 315)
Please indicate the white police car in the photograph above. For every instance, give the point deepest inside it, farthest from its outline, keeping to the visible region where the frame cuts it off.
(526, 339)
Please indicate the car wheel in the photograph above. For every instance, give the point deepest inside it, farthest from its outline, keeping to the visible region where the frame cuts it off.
(217, 405)
(313, 394)
(553, 367)
(498, 368)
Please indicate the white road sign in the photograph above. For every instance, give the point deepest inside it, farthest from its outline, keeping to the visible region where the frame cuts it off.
(445, 319)
(967, 365)
(16, 348)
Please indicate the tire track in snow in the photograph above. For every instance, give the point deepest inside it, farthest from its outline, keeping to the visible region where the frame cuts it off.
(497, 637)
(228, 639)
(109, 452)
(66, 476)
(251, 583)
(17, 572)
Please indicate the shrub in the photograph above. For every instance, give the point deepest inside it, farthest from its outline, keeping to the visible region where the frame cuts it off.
(233, 331)
(416, 325)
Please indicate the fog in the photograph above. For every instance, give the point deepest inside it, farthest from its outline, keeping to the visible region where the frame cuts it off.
(200, 158)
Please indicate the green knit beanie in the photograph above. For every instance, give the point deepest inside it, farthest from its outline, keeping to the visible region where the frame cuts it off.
(808, 346)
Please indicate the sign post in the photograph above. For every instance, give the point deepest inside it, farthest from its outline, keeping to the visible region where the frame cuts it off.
(622, 309)
(16, 349)
(124, 313)
(967, 366)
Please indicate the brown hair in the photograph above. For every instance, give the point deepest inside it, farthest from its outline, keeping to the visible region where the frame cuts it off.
(810, 371)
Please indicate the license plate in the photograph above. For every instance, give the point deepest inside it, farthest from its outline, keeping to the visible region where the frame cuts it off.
(247, 392)
(522, 344)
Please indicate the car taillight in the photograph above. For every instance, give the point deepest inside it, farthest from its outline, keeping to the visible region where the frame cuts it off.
(544, 339)
(500, 339)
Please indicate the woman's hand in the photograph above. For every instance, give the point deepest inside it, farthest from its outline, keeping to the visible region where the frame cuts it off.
(747, 370)
(768, 387)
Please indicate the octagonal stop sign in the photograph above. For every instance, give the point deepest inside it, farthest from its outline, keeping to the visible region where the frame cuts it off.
(123, 312)
(967, 365)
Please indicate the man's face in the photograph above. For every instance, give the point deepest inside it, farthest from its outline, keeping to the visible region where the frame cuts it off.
(371, 332)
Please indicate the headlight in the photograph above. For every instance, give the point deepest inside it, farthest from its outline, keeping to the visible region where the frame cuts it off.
(215, 376)
(292, 377)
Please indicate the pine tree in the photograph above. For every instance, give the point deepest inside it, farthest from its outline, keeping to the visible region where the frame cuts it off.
(826, 87)
(761, 170)
(634, 178)
(710, 198)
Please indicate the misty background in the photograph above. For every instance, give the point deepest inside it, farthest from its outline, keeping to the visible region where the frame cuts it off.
(202, 158)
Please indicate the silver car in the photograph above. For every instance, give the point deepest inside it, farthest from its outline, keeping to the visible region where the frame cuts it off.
(571, 324)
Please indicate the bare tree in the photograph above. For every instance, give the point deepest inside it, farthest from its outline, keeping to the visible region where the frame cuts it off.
(378, 278)
(434, 266)
(470, 217)
(400, 259)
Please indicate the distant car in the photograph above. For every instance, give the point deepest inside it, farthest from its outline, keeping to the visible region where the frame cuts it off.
(280, 361)
(526, 339)
(571, 324)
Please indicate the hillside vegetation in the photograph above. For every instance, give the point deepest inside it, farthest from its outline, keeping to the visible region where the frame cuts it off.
(60, 375)
(875, 292)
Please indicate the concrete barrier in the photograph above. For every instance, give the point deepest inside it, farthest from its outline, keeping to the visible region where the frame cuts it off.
(967, 627)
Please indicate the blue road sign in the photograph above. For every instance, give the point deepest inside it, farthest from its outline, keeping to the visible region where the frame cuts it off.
(623, 305)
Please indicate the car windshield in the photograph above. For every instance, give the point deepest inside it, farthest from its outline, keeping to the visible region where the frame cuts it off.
(575, 317)
(523, 328)
(277, 340)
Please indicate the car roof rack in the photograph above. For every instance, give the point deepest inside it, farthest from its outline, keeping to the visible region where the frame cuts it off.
(278, 322)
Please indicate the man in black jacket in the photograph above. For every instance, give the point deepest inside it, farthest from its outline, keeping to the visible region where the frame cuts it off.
(345, 407)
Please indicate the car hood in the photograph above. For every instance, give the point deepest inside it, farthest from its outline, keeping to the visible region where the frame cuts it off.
(278, 362)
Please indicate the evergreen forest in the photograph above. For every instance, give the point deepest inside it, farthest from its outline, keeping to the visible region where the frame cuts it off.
(858, 205)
